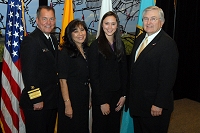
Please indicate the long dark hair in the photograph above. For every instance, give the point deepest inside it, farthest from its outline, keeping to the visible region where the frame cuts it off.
(68, 41)
(103, 44)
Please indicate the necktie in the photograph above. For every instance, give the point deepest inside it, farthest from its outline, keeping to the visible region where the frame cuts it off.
(144, 44)
(50, 45)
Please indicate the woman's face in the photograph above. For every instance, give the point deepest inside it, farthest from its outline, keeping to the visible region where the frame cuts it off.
(109, 25)
(79, 35)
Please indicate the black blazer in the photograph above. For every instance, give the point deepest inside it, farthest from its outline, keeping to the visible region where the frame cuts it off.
(39, 69)
(106, 75)
(152, 75)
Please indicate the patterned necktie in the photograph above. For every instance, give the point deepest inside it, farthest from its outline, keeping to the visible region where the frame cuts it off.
(144, 44)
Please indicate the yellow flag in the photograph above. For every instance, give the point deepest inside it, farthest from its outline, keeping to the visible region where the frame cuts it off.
(68, 15)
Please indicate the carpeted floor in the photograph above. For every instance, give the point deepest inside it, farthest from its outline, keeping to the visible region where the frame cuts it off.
(185, 117)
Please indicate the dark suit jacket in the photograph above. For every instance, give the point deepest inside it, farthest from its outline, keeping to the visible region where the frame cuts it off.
(106, 75)
(153, 75)
(39, 70)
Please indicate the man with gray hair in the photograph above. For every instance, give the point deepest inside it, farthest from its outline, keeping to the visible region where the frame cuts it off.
(154, 62)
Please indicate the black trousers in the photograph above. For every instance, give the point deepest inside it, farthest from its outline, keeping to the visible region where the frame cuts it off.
(156, 124)
(40, 121)
(107, 123)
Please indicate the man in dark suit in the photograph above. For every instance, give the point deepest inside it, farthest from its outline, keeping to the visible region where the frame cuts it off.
(39, 71)
(153, 73)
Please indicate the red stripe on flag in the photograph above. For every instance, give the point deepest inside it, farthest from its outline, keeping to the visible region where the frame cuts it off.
(22, 115)
(8, 105)
(14, 86)
(12, 83)
(5, 126)
(18, 64)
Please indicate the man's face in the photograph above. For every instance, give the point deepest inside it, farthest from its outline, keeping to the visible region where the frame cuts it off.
(152, 22)
(46, 21)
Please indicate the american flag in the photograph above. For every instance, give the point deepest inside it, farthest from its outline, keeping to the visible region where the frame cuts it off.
(12, 119)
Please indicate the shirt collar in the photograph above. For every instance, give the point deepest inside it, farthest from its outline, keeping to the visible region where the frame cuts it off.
(151, 37)
(47, 36)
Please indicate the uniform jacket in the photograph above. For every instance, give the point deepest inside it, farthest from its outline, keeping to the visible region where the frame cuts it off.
(39, 70)
(152, 75)
(106, 75)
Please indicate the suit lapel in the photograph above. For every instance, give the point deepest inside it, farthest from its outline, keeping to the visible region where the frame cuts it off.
(150, 46)
(43, 42)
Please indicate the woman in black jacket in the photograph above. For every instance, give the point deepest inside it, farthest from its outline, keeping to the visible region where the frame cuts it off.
(108, 76)
(73, 109)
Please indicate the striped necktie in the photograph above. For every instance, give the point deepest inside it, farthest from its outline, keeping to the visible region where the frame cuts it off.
(51, 46)
(144, 44)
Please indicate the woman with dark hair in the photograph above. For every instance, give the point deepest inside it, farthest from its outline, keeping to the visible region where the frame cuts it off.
(108, 76)
(73, 107)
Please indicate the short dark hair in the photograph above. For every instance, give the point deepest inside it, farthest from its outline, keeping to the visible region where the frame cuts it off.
(44, 7)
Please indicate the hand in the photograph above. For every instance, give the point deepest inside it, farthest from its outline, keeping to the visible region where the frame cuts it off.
(68, 110)
(38, 106)
(120, 103)
(156, 111)
(105, 109)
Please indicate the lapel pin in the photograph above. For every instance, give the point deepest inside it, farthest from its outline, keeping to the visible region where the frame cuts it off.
(45, 50)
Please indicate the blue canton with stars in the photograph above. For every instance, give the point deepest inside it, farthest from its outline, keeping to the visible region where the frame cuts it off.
(14, 32)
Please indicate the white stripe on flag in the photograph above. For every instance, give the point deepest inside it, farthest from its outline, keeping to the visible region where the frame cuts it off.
(8, 117)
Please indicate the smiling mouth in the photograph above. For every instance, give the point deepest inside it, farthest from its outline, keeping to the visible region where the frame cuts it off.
(110, 31)
(81, 38)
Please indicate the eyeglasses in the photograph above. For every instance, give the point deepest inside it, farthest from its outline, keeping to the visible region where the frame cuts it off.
(153, 19)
